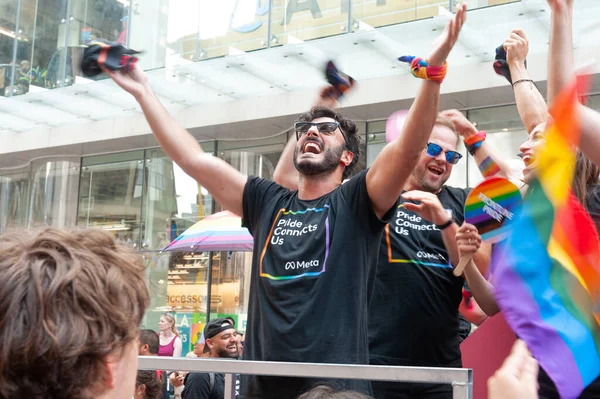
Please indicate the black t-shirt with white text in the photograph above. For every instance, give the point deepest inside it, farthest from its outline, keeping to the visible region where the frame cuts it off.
(313, 272)
(413, 319)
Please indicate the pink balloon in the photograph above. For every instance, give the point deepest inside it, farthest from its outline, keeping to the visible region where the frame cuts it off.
(394, 125)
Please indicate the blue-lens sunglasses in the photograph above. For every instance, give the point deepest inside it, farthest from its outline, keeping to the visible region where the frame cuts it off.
(452, 157)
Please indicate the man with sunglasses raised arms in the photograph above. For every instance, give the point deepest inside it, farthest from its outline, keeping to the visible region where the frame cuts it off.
(313, 262)
(413, 317)
(416, 294)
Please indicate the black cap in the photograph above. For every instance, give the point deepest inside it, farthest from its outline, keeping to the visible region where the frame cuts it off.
(215, 326)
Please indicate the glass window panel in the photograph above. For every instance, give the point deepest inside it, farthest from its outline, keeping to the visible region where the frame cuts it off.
(14, 193)
(50, 45)
(594, 102)
(148, 31)
(8, 19)
(178, 284)
(375, 140)
(362, 161)
(308, 20)
(91, 20)
(173, 201)
(243, 25)
(253, 157)
(110, 194)
(54, 192)
(230, 286)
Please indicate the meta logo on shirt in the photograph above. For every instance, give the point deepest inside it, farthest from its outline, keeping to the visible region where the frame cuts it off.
(297, 244)
(409, 224)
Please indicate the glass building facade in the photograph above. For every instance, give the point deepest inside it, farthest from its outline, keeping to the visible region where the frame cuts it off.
(40, 41)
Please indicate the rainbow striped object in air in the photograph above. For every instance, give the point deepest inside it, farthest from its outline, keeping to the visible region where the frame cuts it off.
(489, 207)
(546, 273)
(221, 231)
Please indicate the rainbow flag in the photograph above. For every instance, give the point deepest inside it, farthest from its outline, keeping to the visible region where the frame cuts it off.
(546, 273)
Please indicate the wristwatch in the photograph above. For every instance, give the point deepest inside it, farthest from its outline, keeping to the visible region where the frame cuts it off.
(445, 225)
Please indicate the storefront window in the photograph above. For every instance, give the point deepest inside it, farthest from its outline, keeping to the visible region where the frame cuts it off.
(173, 201)
(110, 194)
(230, 288)
(375, 140)
(54, 193)
(178, 283)
(14, 191)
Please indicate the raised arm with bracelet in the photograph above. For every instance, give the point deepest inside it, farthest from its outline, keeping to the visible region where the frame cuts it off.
(530, 102)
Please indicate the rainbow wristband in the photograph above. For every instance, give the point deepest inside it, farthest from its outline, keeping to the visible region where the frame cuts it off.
(420, 68)
(475, 141)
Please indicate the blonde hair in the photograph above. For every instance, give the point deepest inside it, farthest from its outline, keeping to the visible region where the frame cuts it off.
(171, 320)
(445, 121)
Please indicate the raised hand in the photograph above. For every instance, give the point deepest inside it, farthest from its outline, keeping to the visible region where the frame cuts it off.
(328, 97)
(517, 47)
(446, 41)
(464, 127)
(468, 240)
(517, 378)
(134, 82)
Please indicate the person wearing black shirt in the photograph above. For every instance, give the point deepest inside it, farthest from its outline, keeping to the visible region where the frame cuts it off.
(221, 338)
(315, 251)
(415, 284)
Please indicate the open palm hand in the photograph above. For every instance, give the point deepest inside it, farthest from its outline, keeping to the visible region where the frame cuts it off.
(448, 38)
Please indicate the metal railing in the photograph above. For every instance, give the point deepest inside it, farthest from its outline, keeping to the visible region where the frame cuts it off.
(460, 379)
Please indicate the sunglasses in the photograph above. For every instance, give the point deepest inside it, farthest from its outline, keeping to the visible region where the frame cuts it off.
(452, 157)
(326, 128)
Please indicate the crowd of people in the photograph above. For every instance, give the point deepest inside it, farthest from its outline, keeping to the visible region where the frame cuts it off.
(348, 268)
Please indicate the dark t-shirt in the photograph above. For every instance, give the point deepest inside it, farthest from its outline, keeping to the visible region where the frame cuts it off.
(313, 272)
(197, 386)
(413, 319)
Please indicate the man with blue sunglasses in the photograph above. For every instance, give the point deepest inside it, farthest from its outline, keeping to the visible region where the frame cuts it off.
(415, 284)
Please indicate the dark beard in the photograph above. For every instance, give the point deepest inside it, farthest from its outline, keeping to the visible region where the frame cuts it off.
(329, 164)
(223, 354)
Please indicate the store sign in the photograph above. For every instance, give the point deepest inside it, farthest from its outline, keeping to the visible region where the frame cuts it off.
(182, 322)
(186, 296)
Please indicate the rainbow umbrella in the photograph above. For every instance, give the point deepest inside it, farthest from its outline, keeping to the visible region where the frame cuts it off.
(221, 231)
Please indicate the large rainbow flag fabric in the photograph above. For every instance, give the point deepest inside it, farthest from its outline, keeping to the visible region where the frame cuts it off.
(546, 273)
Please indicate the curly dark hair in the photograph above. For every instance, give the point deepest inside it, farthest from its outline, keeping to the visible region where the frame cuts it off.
(68, 300)
(348, 127)
(153, 384)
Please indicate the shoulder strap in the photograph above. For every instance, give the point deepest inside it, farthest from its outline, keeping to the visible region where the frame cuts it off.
(211, 377)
